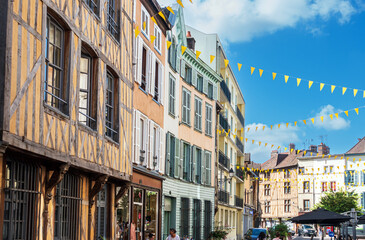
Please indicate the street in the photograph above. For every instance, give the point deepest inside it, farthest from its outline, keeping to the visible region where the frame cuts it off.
(308, 238)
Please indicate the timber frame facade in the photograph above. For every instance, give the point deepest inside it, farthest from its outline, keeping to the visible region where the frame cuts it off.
(66, 93)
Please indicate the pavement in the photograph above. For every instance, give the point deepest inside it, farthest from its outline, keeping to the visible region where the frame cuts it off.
(308, 238)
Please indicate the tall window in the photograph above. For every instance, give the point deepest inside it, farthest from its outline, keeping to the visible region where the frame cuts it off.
(93, 5)
(172, 96)
(267, 175)
(188, 74)
(113, 15)
(170, 157)
(186, 162)
(157, 42)
(286, 173)
(111, 107)
(324, 186)
(199, 83)
(207, 219)
(87, 92)
(287, 206)
(144, 69)
(186, 106)
(55, 83)
(208, 119)
(21, 196)
(287, 187)
(208, 162)
(198, 114)
(306, 204)
(349, 177)
(267, 207)
(267, 190)
(306, 188)
(333, 186)
(184, 226)
(101, 213)
(142, 139)
(197, 219)
(68, 200)
(145, 21)
(210, 90)
(172, 54)
(301, 171)
(198, 176)
(156, 97)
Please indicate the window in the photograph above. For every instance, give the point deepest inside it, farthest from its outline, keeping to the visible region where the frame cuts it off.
(198, 114)
(208, 162)
(199, 84)
(113, 15)
(68, 200)
(301, 171)
(172, 54)
(287, 206)
(145, 21)
(101, 213)
(186, 162)
(197, 219)
(207, 219)
(186, 106)
(306, 204)
(287, 173)
(142, 140)
(198, 157)
(157, 81)
(287, 187)
(55, 89)
(306, 187)
(267, 175)
(93, 5)
(172, 97)
(324, 186)
(157, 42)
(267, 190)
(210, 90)
(151, 213)
(188, 74)
(208, 119)
(22, 181)
(267, 207)
(326, 169)
(154, 143)
(170, 155)
(333, 186)
(349, 177)
(111, 107)
(144, 70)
(184, 226)
(87, 92)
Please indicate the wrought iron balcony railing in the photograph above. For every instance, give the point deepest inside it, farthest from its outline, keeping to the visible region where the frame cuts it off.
(226, 91)
(239, 173)
(238, 202)
(223, 196)
(223, 122)
(239, 144)
(240, 116)
(223, 160)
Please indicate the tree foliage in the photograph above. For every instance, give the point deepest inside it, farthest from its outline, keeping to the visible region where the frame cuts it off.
(339, 202)
(281, 228)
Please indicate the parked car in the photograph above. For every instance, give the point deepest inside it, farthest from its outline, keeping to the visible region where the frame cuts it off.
(292, 232)
(307, 230)
(254, 233)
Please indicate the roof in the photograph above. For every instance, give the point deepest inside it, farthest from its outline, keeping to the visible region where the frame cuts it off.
(321, 216)
(274, 161)
(290, 161)
(282, 160)
(359, 147)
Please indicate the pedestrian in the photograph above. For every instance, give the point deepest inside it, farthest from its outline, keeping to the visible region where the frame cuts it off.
(277, 236)
(173, 235)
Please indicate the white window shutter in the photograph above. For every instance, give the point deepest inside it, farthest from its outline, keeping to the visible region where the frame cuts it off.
(161, 83)
(137, 137)
(177, 158)
(139, 59)
(181, 161)
(193, 163)
(148, 71)
(202, 175)
(215, 92)
(145, 142)
(152, 74)
(182, 71)
(135, 57)
(205, 85)
(167, 162)
(195, 77)
(150, 145)
(160, 153)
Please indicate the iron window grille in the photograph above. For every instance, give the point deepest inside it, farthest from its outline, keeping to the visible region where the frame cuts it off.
(110, 111)
(197, 219)
(94, 5)
(67, 212)
(21, 210)
(184, 226)
(113, 19)
(101, 213)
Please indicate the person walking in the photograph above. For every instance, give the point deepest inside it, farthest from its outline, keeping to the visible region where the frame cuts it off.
(173, 235)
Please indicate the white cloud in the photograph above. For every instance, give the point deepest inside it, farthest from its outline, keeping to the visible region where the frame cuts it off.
(278, 137)
(243, 20)
(328, 123)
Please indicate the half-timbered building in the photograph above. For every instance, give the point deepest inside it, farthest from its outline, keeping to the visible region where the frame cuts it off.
(65, 118)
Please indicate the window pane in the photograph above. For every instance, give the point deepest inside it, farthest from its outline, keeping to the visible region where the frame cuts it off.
(151, 210)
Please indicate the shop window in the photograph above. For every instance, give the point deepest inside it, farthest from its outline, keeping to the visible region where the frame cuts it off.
(197, 219)
(151, 213)
(184, 223)
(122, 231)
(21, 196)
(67, 212)
(137, 212)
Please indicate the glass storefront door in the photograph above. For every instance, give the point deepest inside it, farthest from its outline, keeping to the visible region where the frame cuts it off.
(137, 212)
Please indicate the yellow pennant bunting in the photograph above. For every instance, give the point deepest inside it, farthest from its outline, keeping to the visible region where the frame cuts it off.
(226, 61)
(170, 9)
(298, 81)
(364, 95)
(347, 113)
(312, 119)
(136, 31)
(263, 128)
(252, 70)
(357, 111)
(161, 14)
(286, 78)
(295, 123)
(271, 127)
(321, 118)
(180, 3)
(239, 66)
(211, 58)
(310, 83)
(259, 143)
(274, 76)
(332, 88)
(355, 92)
(261, 71)
(343, 90)
(278, 125)
(305, 122)
(253, 141)
(183, 49)
(265, 144)
(287, 124)
(198, 54)
(168, 44)
(154, 20)
(248, 129)
(336, 114)
(152, 38)
(272, 145)
(321, 85)
(285, 149)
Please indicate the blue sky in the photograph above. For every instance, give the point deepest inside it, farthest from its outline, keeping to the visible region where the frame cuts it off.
(319, 40)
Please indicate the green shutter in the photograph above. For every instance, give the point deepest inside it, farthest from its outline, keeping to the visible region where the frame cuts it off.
(167, 169)
(177, 157)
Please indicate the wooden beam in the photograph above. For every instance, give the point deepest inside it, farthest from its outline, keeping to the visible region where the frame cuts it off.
(120, 193)
(55, 179)
(99, 184)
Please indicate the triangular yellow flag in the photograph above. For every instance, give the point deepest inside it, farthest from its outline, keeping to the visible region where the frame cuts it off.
(343, 90)
(364, 95)
(271, 127)
(180, 3)
(265, 144)
(336, 114)
(252, 69)
(246, 139)
(286, 78)
(261, 71)
(321, 118)
(198, 54)
(305, 121)
(263, 128)
(355, 92)
(331, 116)
(239, 66)
(278, 125)
(310, 83)
(274, 76)
(161, 14)
(347, 113)
(312, 119)
(295, 123)
(136, 31)
(226, 61)
(168, 43)
(154, 20)
(211, 58)
(332, 88)
(170, 9)
(259, 143)
(357, 111)
(152, 38)
(321, 85)
(298, 81)
(183, 49)
(285, 149)
(253, 141)
(287, 124)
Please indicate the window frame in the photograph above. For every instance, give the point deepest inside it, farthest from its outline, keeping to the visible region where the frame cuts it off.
(210, 93)
(113, 25)
(113, 129)
(199, 82)
(186, 109)
(198, 113)
(208, 119)
(96, 8)
(172, 95)
(306, 187)
(147, 16)
(158, 40)
(188, 74)
(101, 209)
(287, 188)
(304, 205)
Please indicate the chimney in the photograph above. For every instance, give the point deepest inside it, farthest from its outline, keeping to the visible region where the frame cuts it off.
(191, 41)
(313, 148)
(291, 146)
(274, 153)
(323, 149)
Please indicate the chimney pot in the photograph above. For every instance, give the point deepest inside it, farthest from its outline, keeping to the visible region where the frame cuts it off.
(188, 34)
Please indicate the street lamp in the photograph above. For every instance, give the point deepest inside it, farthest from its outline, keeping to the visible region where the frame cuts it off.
(231, 173)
